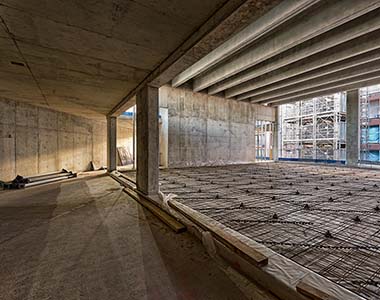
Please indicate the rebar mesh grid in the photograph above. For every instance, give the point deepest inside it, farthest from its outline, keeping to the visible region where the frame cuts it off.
(323, 217)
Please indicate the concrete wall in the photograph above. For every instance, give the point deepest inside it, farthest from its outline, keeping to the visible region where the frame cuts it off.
(36, 140)
(125, 133)
(209, 130)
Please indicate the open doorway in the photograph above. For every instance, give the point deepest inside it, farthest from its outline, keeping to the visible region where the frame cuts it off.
(264, 140)
(126, 139)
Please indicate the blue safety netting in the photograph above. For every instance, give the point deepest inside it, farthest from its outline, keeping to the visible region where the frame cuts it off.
(373, 156)
(373, 134)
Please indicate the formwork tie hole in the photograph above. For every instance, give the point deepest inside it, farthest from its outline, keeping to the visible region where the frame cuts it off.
(357, 219)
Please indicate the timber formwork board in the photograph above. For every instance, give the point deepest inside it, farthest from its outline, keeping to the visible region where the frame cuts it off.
(325, 218)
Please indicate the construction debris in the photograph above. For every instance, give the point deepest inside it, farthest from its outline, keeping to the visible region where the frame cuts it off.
(22, 182)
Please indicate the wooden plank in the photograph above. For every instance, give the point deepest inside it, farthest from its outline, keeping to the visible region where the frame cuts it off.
(176, 226)
(233, 243)
(313, 292)
(125, 156)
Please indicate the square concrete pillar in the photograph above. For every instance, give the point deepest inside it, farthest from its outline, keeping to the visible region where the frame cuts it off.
(352, 128)
(111, 143)
(147, 106)
(276, 130)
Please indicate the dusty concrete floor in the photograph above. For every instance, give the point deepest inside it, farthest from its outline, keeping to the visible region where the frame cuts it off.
(86, 239)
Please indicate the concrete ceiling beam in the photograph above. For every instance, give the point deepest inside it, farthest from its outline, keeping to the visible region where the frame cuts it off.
(333, 39)
(269, 22)
(330, 88)
(350, 73)
(347, 87)
(357, 61)
(351, 52)
(332, 15)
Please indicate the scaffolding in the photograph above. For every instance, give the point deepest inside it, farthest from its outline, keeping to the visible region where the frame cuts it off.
(264, 140)
(370, 124)
(314, 129)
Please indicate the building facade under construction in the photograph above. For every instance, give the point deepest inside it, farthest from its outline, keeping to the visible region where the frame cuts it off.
(314, 130)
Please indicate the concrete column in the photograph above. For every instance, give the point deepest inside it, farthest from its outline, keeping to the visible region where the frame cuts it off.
(352, 129)
(111, 143)
(147, 140)
(276, 130)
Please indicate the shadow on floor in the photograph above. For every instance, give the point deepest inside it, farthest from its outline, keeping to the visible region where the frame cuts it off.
(88, 240)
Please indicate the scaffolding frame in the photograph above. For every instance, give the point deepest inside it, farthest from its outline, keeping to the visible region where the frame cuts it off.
(314, 129)
(264, 140)
(369, 117)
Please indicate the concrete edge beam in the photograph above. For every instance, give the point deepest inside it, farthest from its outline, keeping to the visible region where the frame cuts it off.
(330, 40)
(267, 23)
(332, 15)
(229, 18)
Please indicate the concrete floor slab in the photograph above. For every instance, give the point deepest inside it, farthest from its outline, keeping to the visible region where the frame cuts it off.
(86, 239)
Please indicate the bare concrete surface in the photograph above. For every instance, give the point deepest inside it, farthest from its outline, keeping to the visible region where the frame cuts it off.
(86, 239)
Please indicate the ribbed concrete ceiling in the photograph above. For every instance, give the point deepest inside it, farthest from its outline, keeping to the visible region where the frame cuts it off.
(86, 56)
(298, 50)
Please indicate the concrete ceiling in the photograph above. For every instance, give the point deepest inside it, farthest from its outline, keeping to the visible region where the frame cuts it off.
(87, 56)
(298, 50)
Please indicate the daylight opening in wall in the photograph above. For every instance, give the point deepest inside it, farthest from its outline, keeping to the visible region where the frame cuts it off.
(314, 130)
(264, 140)
(126, 139)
